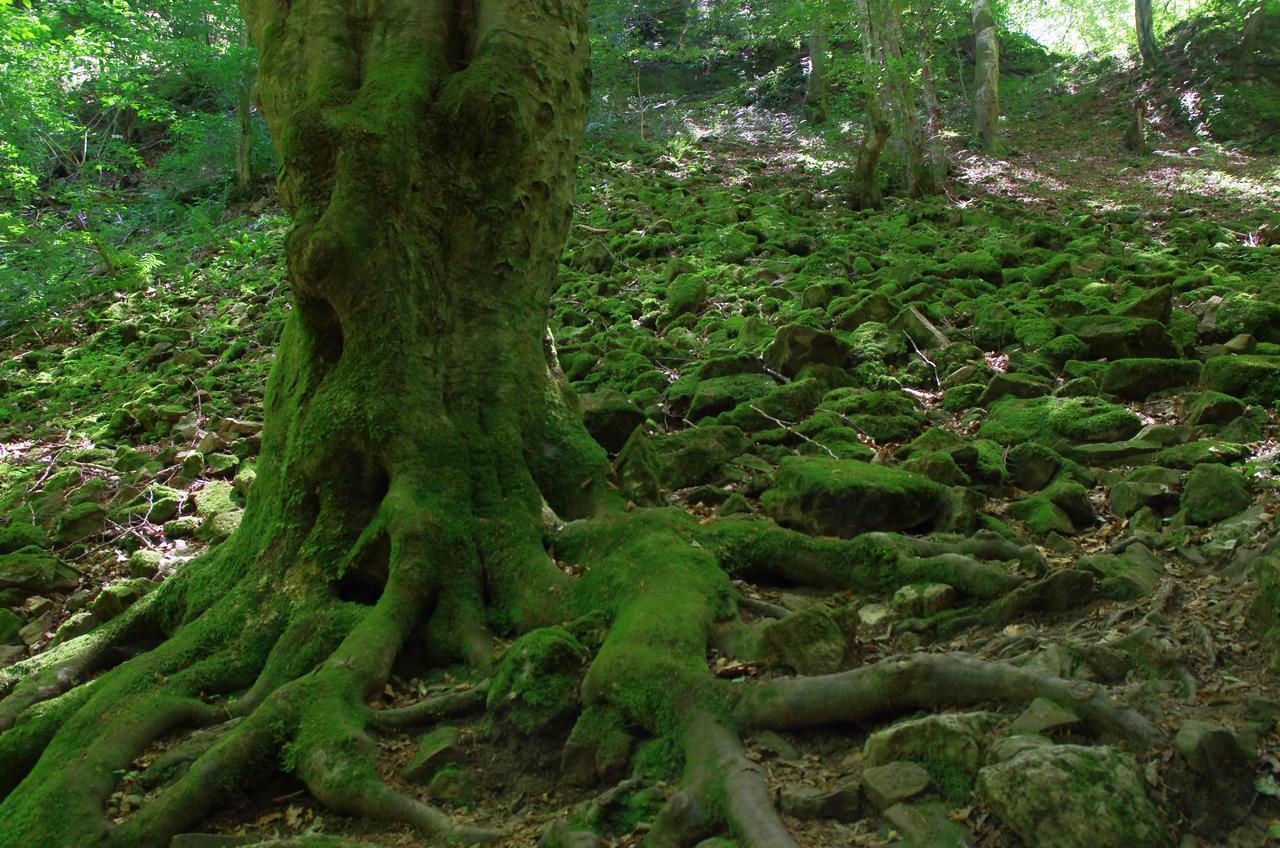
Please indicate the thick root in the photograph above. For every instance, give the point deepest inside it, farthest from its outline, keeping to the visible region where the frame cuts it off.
(928, 681)
(724, 789)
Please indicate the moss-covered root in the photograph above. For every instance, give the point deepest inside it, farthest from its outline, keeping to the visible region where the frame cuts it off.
(872, 562)
(928, 681)
(724, 789)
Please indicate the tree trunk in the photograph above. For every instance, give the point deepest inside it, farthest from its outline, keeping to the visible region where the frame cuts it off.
(413, 425)
(817, 86)
(888, 77)
(934, 147)
(986, 95)
(243, 187)
(1147, 47)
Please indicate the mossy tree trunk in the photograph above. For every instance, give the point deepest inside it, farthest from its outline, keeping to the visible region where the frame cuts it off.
(414, 438)
(986, 94)
(817, 86)
(1148, 49)
(242, 188)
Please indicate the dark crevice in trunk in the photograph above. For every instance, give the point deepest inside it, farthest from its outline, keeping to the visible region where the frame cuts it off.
(462, 34)
(366, 578)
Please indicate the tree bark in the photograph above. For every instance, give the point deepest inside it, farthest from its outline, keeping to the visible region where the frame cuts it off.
(986, 95)
(817, 86)
(1147, 47)
(243, 186)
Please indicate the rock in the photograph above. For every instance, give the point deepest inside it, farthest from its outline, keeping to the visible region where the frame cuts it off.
(1157, 305)
(926, 825)
(19, 535)
(721, 394)
(35, 571)
(1010, 420)
(558, 835)
(145, 563)
(438, 749)
(79, 522)
(874, 615)
(1214, 492)
(1070, 796)
(1199, 452)
(215, 498)
(922, 600)
(807, 641)
(118, 597)
(230, 428)
(610, 417)
(221, 465)
(696, 456)
(77, 624)
(10, 624)
(1111, 454)
(1222, 791)
(218, 528)
(777, 744)
(894, 782)
(637, 469)
(1120, 337)
(797, 345)
(1033, 465)
(191, 464)
(938, 466)
(1044, 718)
(1127, 497)
(535, 688)
(244, 480)
(1131, 574)
(947, 745)
(831, 497)
(1014, 385)
(182, 528)
(1255, 379)
(842, 802)
(453, 787)
(1008, 747)
(1064, 507)
(1135, 379)
(686, 295)
(1214, 408)
(920, 329)
(35, 630)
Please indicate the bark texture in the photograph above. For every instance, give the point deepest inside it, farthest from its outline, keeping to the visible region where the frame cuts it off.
(986, 94)
(1148, 49)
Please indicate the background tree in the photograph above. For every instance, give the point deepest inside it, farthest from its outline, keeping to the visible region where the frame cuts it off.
(1146, 29)
(986, 93)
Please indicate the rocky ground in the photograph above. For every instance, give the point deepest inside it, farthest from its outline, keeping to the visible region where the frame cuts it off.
(1055, 389)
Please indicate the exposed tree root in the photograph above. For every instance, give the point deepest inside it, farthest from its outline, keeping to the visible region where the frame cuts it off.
(433, 708)
(723, 789)
(929, 681)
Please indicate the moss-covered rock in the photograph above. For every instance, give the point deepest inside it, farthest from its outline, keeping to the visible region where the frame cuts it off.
(1121, 337)
(1214, 492)
(1253, 378)
(829, 497)
(1013, 420)
(610, 417)
(19, 535)
(1135, 379)
(535, 688)
(798, 345)
(721, 394)
(1071, 796)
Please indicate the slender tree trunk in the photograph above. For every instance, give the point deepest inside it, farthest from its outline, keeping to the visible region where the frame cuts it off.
(1147, 47)
(935, 149)
(243, 188)
(817, 87)
(986, 95)
(865, 191)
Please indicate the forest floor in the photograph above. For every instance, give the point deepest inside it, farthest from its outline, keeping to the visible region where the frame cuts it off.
(1064, 343)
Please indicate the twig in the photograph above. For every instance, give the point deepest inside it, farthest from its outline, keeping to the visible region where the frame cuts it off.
(792, 430)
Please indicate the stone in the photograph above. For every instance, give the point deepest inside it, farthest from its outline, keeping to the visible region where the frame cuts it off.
(34, 630)
(438, 749)
(874, 615)
(214, 498)
(1221, 790)
(453, 787)
(557, 834)
(1014, 385)
(1214, 492)
(244, 480)
(926, 824)
(947, 745)
(1136, 379)
(1214, 408)
(10, 624)
(610, 417)
(1130, 574)
(118, 597)
(777, 744)
(1033, 465)
(1071, 796)
(797, 345)
(144, 563)
(191, 464)
(77, 624)
(721, 394)
(1120, 337)
(1126, 498)
(844, 498)
(35, 571)
(218, 528)
(79, 522)
(535, 688)
(1008, 747)
(1112, 454)
(922, 600)
(842, 802)
(807, 641)
(894, 782)
(920, 329)
(1255, 379)
(222, 465)
(1044, 718)
(19, 535)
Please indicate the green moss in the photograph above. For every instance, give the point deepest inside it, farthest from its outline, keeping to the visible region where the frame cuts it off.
(1014, 420)
(1252, 378)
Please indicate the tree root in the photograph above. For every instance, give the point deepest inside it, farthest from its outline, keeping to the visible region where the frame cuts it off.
(724, 788)
(433, 708)
(927, 681)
